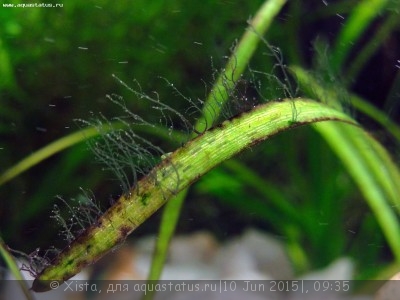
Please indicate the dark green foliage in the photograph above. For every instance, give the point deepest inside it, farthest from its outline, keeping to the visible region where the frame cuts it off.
(56, 65)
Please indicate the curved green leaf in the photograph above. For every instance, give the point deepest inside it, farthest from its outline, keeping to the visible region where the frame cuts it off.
(175, 173)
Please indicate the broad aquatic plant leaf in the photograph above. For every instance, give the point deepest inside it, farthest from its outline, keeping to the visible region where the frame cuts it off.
(176, 172)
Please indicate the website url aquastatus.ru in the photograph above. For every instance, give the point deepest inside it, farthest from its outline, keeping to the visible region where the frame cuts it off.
(33, 5)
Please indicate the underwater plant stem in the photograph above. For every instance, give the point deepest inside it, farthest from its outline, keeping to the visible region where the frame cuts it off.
(237, 63)
(169, 221)
(175, 173)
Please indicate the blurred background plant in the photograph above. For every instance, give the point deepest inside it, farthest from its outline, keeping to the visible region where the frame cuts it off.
(56, 66)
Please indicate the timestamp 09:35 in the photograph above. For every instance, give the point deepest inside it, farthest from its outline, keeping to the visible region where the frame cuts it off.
(300, 286)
